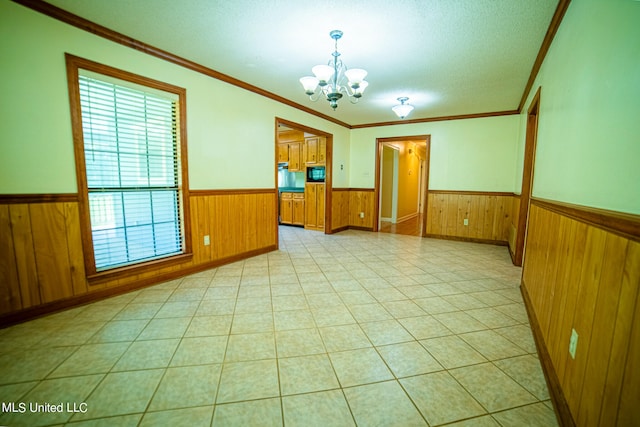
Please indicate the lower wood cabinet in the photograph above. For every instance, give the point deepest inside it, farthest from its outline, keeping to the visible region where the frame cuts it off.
(286, 208)
(314, 206)
(292, 208)
(298, 209)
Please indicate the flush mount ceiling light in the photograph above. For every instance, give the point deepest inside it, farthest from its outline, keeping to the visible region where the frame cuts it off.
(335, 80)
(402, 109)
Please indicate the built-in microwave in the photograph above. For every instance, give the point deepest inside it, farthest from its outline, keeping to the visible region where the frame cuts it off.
(315, 174)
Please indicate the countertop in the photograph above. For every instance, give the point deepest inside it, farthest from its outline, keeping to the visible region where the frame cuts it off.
(290, 189)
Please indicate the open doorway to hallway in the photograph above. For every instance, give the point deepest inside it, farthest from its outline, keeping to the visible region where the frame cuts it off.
(402, 174)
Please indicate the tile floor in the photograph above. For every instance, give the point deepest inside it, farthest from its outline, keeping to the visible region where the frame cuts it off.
(356, 328)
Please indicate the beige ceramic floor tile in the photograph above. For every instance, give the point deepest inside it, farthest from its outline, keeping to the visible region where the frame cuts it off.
(526, 370)
(248, 380)
(132, 420)
(383, 404)
(386, 332)
(91, 359)
(306, 374)
(68, 391)
(122, 393)
(520, 335)
(459, 322)
(346, 337)
(332, 316)
(492, 387)
(362, 366)
(200, 416)
(492, 317)
(119, 330)
(245, 347)
(322, 409)
(452, 352)
(369, 312)
(492, 345)
(185, 387)
(31, 365)
(206, 326)
(483, 421)
(264, 413)
(165, 328)
(299, 342)
(294, 319)
(536, 415)
(440, 398)
(177, 309)
(252, 322)
(200, 351)
(424, 327)
(147, 355)
(408, 359)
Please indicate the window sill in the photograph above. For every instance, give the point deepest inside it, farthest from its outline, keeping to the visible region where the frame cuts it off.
(132, 270)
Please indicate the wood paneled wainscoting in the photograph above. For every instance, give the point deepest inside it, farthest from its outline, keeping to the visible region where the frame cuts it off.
(347, 203)
(490, 215)
(582, 272)
(42, 263)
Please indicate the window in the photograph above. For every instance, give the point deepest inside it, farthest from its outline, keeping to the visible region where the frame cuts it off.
(131, 175)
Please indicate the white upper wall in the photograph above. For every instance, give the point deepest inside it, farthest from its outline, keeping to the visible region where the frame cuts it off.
(230, 131)
(466, 155)
(588, 147)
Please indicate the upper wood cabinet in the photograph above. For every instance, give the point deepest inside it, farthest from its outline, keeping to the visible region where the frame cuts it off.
(291, 153)
(295, 157)
(315, 150)
(283, 152)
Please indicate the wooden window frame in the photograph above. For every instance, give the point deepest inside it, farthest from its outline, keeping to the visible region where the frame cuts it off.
(74, 64)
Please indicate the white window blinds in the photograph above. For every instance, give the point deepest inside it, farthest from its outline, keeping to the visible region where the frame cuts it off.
(132, 171)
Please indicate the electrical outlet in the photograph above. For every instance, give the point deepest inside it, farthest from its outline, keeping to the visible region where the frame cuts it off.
(466, 221)
(207, 241)
(573, 343)
(361, 214)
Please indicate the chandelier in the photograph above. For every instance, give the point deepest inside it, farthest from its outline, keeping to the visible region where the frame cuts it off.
(335, 80)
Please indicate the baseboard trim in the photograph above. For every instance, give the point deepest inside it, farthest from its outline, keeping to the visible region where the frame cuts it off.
(468, 239)
(55, 306)
(562, 411)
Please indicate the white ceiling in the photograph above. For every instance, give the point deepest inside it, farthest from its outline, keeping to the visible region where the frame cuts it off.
(450, 57)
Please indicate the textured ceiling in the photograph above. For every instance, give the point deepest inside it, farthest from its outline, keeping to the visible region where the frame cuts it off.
(450, 57)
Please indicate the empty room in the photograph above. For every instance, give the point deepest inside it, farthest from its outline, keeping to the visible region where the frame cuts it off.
(292, 213)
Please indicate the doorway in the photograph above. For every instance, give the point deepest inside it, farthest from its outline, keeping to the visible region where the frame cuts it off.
(527, 177)
(325, 213)
(402, 176)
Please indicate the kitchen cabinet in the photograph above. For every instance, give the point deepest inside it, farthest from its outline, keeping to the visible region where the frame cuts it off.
(283, 153)
(292, 208)
(314, 206)
(315, 150)
(286, 208)
(298, 209)
(291, 153)
(295, 157)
